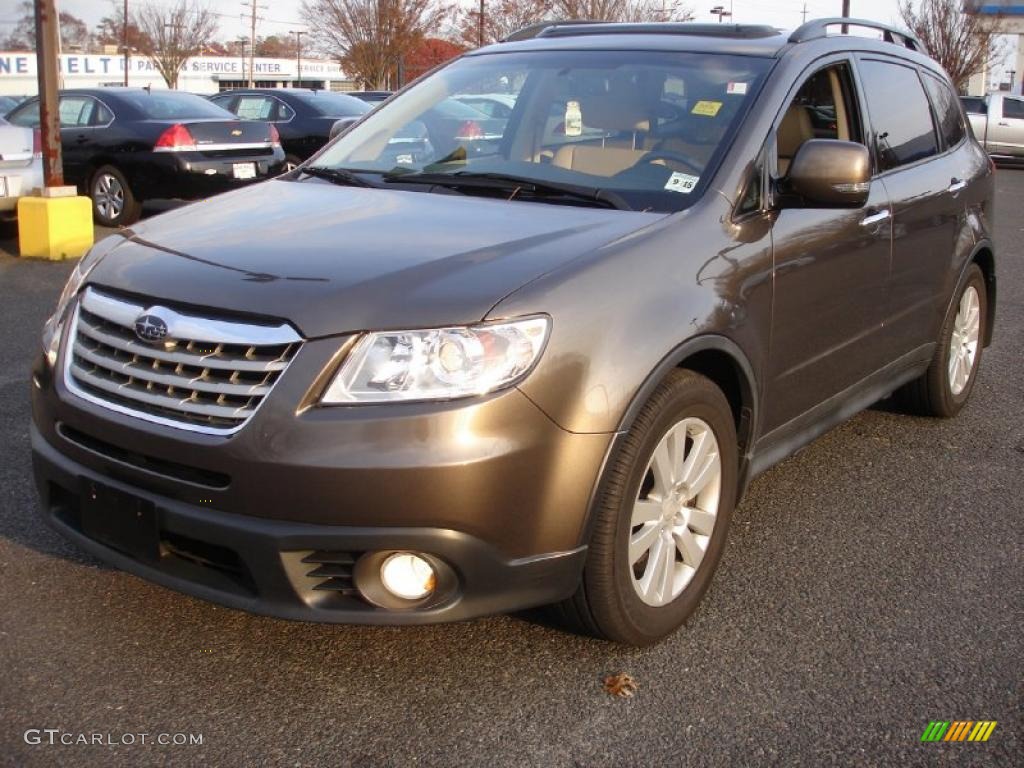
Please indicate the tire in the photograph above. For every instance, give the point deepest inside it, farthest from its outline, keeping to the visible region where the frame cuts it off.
(936, 393)
(608, 602)
(113, 204)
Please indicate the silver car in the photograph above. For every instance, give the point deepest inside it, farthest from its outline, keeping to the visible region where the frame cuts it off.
(21, 164)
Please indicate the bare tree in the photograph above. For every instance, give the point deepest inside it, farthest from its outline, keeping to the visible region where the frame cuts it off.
(171, 36)
(74, 34)
(504, 17)
(622, 10)
(501, 19)
(964, 43)
(370, 37)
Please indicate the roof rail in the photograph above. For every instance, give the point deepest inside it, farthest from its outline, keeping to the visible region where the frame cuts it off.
(534, 30)
(577, 28)
(819, 28)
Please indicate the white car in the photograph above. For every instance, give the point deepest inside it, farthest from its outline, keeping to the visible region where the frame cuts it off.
(21, 165)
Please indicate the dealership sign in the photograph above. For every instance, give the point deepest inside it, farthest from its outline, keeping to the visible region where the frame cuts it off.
(97, 65)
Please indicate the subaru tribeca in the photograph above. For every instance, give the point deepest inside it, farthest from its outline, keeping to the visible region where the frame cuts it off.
(410, 383)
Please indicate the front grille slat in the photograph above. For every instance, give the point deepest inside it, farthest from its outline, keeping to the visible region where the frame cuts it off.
(184, 358)
(332, 571)
(171, 379)
(210, 376)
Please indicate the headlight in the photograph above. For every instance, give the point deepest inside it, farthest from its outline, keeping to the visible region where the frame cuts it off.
(438, 364)
(55, 325)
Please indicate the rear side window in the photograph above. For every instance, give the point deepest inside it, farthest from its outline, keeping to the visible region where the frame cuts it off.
(900, 114)
(1013, 108)
(27, 115)
(973, 105)
(947, 111)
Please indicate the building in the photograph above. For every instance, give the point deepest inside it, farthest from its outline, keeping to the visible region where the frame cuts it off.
(1011, 13)
(201, 74)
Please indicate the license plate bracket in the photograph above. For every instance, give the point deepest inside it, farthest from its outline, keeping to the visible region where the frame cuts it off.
(244, 170)
(120, 521)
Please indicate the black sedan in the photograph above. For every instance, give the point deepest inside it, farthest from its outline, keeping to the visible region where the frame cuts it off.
(302, 117)
(125, 145)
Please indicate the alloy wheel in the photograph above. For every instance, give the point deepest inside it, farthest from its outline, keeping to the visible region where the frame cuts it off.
(108, 196)
(675, 511)
(963, 343)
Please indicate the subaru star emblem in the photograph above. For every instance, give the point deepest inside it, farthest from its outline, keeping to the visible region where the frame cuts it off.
(150, 328)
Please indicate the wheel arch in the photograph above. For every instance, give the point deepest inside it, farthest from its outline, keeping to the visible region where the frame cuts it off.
(722, 361)
(984, 257)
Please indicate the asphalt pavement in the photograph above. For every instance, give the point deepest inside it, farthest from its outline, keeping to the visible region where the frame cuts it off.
(871, 584)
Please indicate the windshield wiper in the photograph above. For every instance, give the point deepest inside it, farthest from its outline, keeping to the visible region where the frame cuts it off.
(517, 186)
(337, 176)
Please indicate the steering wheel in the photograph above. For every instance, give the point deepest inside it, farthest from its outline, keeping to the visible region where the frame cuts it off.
(660, 154)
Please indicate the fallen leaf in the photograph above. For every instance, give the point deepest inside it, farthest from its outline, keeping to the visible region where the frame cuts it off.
(621, 685)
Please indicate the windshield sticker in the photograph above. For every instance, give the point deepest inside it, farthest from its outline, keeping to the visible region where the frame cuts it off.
(736, 89)
(573, 119)
(706, 108)
(681, 182)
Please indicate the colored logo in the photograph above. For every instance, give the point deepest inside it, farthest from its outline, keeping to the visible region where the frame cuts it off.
(150, 328)
(958, 730)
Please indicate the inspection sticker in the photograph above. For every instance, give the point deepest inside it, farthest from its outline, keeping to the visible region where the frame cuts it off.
(681, 182)
(706, 108)
(736, 89)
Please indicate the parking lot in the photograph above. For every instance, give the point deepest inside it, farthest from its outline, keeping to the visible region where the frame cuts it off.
(871, 584)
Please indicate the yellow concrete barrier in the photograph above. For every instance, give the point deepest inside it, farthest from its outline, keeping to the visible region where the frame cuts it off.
(54, 227)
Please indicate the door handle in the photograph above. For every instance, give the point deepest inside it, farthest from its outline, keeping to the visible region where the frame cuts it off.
(1005, 125)
(955, 185)
(875, 218)
(81, 139)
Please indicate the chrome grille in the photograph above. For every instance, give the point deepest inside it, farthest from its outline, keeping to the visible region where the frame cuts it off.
(206, 374)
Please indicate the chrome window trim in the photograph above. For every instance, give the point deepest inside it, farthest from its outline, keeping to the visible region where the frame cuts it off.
(88, 298)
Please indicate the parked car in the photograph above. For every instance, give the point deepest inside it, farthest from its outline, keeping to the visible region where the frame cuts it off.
(122, 146)
(21, 165)
(998, 122)
(303, 118)
(372, 97)
(544, 373)
(7, 103)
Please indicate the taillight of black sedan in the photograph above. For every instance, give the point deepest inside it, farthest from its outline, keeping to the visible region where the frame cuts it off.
(126, 145)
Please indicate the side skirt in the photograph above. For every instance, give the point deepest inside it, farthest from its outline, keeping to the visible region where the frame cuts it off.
(785, 440)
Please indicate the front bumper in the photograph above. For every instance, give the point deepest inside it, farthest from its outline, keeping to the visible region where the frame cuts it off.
(490, 487)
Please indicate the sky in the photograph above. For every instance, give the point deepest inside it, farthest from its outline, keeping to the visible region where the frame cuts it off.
(281, 16)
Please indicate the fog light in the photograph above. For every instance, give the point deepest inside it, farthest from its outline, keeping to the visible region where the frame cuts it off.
(407, 576)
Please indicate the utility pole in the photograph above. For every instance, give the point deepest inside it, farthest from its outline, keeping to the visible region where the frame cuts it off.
(804, 13)
(124, 43)
(252, 36)
(243, 42)
(846, 15)
(47, 45)
(480, 30)
(298, 54)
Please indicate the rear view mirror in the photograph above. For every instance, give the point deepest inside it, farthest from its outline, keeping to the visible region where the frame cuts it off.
(830, 174)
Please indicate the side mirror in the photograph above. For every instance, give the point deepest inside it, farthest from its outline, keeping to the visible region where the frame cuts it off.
(341, 125)
(830, 174)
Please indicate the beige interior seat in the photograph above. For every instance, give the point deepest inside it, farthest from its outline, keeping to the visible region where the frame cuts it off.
(597, 160)
(796, 128)
(621, 110)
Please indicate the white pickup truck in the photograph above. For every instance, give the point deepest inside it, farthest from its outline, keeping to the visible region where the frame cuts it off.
(998, 122)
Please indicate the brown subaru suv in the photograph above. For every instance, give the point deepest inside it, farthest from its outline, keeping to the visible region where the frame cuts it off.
(463, 362)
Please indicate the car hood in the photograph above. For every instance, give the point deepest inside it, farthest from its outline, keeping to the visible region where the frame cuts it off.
(332, 259)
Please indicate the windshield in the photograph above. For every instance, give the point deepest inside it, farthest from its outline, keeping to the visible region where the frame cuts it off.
(645, 126)
(169, 105)
(334, 104)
